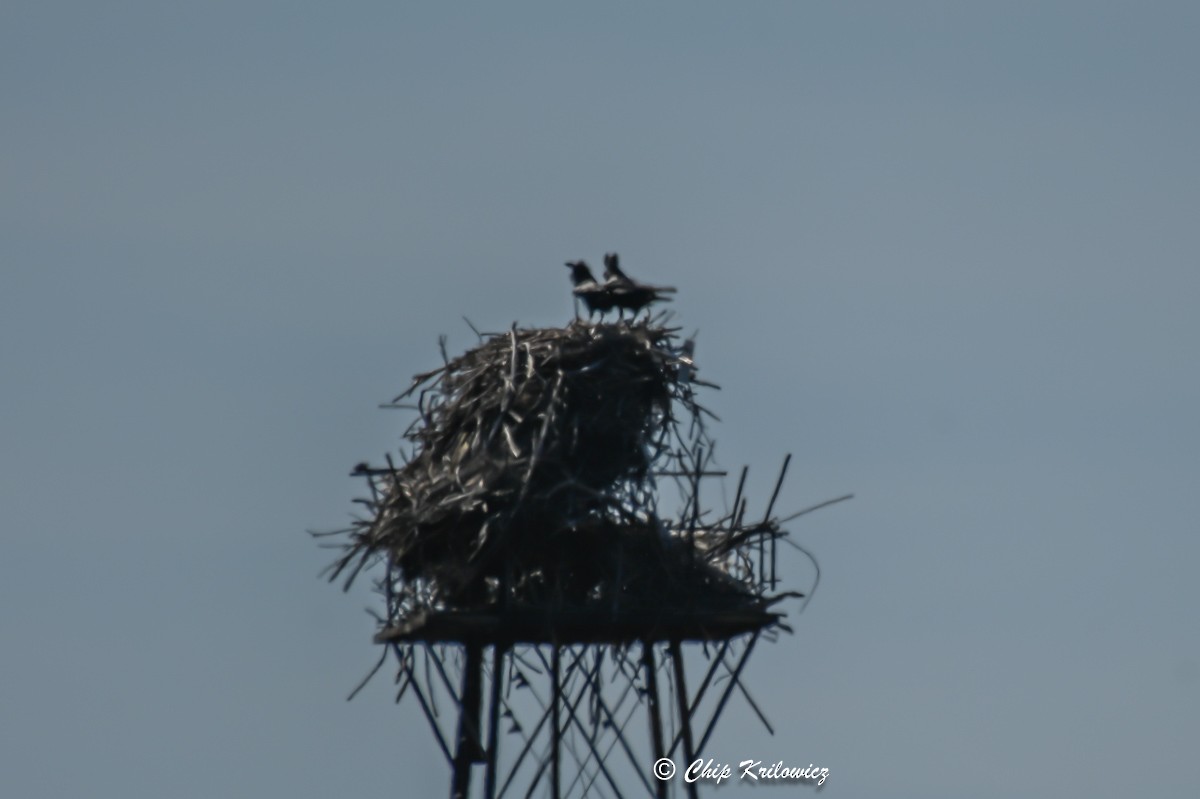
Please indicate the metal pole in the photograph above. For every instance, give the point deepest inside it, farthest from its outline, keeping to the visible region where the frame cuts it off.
(655, 712)
(556, 726)
(468, 749)
(685, 718)
(489, 782)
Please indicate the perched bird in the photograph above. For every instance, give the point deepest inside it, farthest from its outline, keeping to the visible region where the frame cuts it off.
(612, 269)
(596, 296)
(615, 275)
(627, 293)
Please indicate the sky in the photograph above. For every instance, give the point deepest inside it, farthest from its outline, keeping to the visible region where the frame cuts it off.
(943, 253)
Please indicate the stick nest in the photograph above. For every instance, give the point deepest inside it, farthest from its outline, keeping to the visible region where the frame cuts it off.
(530, 479)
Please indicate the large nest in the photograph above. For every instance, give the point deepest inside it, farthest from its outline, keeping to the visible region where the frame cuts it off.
(530, 479)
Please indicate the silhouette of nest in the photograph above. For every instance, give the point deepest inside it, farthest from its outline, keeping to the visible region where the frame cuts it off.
(531, 480)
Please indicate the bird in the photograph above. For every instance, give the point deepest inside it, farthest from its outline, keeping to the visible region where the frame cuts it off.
(612, 269)
(627, 293)
(596, 296)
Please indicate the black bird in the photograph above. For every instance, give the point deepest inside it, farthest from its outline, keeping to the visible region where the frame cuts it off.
(612, 269)
(628, 294)
(596, 296)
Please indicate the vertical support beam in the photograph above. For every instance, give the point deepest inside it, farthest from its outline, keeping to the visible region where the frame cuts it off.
(489, 784)
(685, 717)
(655, 711)
(468, 749)
(555, 724)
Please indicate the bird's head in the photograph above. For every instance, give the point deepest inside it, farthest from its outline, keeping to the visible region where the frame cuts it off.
(580, 273)
(612, 265)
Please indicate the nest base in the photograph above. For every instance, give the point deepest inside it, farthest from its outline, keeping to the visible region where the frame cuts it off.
(564, 626)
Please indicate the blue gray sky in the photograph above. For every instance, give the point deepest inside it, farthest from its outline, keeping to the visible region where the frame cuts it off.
(944, 253)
